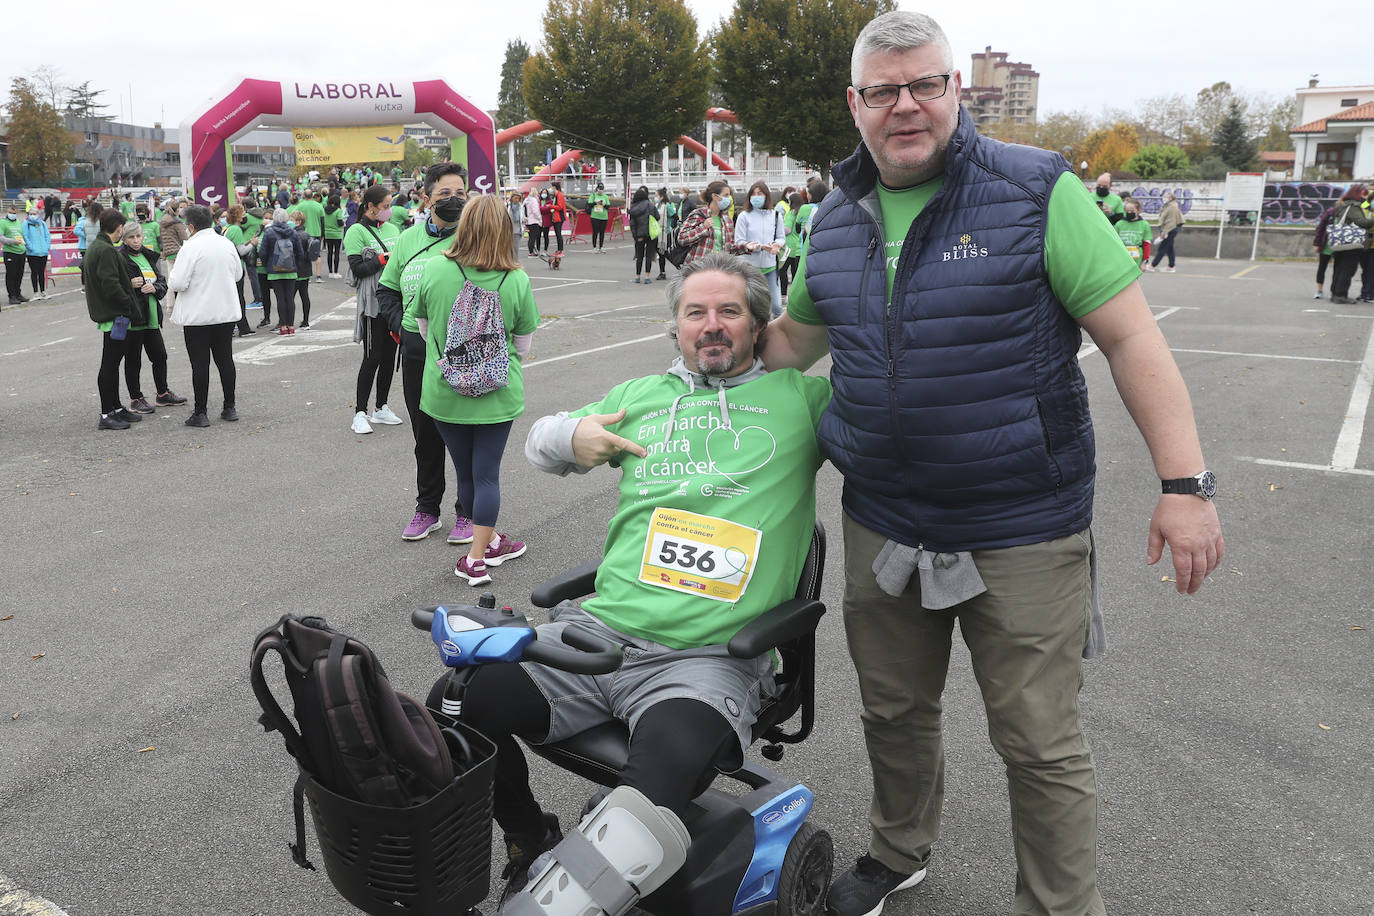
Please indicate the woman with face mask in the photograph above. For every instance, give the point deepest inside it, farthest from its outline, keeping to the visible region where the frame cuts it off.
(545, 216)
(141, 265)
(641, 210)
(599, 212)
(708, 228)
(558, 213)
(759, 236)
(1134, 232)
(173, 230)
(37, 242)
(368, 244)
(534, 224)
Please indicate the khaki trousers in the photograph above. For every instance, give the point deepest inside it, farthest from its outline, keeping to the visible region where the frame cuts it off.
(1025, 636)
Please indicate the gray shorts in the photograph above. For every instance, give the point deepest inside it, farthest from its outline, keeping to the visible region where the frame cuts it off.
(650, 673)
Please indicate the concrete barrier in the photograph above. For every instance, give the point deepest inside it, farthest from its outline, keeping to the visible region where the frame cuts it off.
(1274, 242)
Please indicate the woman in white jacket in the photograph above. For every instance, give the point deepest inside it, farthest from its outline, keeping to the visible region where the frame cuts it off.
(759, 235)
(205, 277)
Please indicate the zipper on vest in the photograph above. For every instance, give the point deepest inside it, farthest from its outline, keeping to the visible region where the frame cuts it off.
(863, 284)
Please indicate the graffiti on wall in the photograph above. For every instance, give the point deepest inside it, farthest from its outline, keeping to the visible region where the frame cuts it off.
(1152, 199)
(1290, 203)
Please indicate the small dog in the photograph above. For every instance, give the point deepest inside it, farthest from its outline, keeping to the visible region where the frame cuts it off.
(553, 258)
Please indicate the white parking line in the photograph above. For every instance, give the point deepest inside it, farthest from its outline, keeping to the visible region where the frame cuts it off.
(1090, 349)
(622, 308)
(1352, 430)
(37, 347)
(625, 343)
(1313, 359)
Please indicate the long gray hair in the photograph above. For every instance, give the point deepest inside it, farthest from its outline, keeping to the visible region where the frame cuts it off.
(898, 31)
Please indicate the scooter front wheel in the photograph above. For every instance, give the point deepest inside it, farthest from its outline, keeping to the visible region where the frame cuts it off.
(806, 870)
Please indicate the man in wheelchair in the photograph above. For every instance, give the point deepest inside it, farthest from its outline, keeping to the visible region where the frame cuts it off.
(717, 462)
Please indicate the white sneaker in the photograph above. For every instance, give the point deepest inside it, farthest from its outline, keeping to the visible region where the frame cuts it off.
(384, 415)
(360, 424)
(319, 279)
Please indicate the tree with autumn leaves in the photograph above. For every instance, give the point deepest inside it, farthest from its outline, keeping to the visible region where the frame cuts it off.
(39, 144)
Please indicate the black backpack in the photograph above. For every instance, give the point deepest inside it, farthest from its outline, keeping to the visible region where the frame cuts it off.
(282, 259)
(353, 734)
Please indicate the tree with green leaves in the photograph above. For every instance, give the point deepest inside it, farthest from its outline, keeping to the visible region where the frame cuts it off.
(84, 102)
(510, 100)
(1159, 160)
(618, 78)
(39, 145)
(782, 65)
(1231, 142)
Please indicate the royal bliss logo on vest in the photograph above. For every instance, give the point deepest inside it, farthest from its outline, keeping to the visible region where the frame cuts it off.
(967, 248)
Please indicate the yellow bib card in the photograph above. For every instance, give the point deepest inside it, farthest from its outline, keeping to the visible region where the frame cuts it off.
(699, 554)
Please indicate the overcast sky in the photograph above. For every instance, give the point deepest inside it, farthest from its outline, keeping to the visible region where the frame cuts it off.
(1086, 60)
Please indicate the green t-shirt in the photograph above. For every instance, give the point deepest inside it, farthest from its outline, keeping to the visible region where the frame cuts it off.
(413, 250)
(358, 239)
(13, 229)
(150, 275)
(712, 508)
(440, 284)
(314, 217)
(1111, 200)
(1084, 257)
(400, 214)
(333, 223)
(127, 208)
(152, 236)
(716, 238)
(597, 205)
(1134, 234)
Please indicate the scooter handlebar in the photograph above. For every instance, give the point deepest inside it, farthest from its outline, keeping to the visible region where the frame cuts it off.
(579, 651)
(422, 618)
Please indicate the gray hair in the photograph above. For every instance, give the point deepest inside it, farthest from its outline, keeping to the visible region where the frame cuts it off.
(280, 217)
(756, 293)
(130, 230)
(898, 31)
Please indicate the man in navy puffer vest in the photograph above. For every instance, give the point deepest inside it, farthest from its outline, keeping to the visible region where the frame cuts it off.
(949, 276)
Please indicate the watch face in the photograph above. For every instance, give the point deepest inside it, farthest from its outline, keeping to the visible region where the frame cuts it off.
(1207, 484)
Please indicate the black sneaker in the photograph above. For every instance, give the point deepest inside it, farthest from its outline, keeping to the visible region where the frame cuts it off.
(169, 398)
(127, 415)
(521, 851)
(110, 421)
(198, 419)
(229, 414)
(141, 405)
(862, 890)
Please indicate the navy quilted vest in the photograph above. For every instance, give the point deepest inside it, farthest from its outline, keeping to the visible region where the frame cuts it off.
(960, 417)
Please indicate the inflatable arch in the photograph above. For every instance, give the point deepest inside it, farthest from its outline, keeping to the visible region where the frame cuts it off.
(206, 166)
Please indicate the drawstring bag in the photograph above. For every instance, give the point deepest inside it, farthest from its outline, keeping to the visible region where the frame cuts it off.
(476, 356)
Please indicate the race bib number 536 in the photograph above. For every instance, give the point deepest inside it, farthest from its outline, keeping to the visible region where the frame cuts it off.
(699, 554)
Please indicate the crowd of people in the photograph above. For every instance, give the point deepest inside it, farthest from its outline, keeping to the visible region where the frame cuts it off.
(1350, 253)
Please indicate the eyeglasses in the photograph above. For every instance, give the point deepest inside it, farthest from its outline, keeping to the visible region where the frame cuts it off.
(925, 89)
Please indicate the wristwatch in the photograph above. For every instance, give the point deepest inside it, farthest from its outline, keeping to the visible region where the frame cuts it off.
(1203, 485)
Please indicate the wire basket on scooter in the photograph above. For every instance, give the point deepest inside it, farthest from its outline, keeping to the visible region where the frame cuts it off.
(429, 859)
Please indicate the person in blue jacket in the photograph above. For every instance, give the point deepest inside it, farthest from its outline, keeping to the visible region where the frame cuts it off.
(37, 244)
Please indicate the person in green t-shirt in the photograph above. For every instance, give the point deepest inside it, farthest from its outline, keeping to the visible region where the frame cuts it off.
(599, 212)
(314, 227)
(12, 239)
(334, 216)
(1108, 201)
(141, 262)
(474, 412)
(368, 244)
(245, 241)
(717, 467)
(960, 423)
(1134, 232)
(445, 187)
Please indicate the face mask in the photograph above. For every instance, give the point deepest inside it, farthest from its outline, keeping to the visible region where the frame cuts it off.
(224, 220)
(383, 215)
(1132, 216)
(1103, 192)
(132, 245)
(600, 188)
(449, 208)
(543, 196)
(757, 201)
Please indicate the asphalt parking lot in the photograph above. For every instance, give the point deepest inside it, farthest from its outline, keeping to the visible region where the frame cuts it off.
(1232, 729)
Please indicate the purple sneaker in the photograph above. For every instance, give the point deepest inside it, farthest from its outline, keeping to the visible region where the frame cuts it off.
(475, 571)
(420, 526)
(462, 531)
(502, 548)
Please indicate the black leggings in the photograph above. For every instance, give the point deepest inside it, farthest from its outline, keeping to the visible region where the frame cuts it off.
(303, 290)
(1343, 271)
(599, 233)
(379, 362)
(150, 340)
(284, 288)
(676, 747)
(430, 454)
(331, 254)
(112, 352)
(557, 231)
(14, 273)
(476, 450)
(536, 233)
(1166, 247)
(645, 249)
(204, 342)
(38, 272)
(788, 272)
(1322, 260)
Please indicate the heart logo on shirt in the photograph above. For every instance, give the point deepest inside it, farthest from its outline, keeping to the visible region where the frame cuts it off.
(729, 450)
